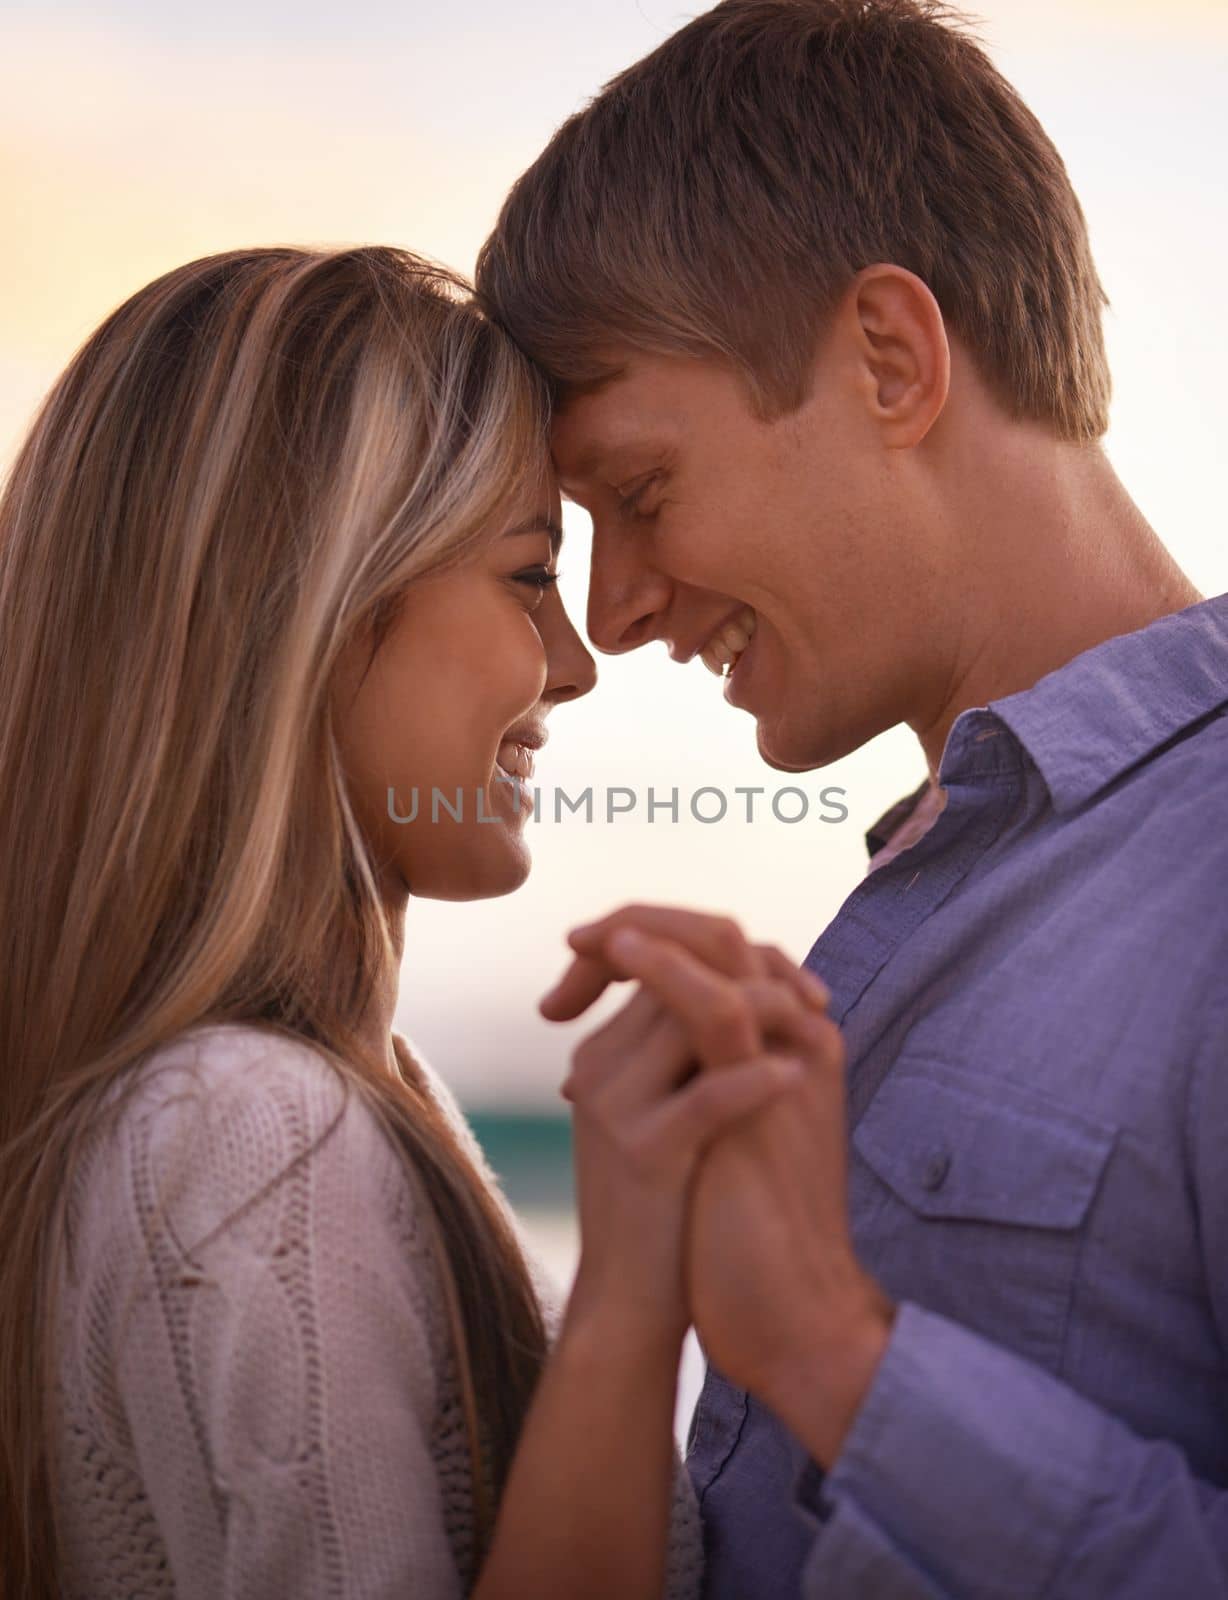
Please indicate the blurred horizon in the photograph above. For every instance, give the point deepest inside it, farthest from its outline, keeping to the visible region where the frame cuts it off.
(134, 137)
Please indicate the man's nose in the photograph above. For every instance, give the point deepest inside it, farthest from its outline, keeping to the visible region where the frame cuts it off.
(627, 598)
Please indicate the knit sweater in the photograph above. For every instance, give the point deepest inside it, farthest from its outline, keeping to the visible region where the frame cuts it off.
(257, 1396)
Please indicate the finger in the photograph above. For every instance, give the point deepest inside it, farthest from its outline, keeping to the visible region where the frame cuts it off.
(663, 1063)
(682, 1126)
(716, 940)
(817, 1042)
(779, 1009)
(584, 981)
(808, 984)
(666, 1056)
(632, 1030)
(588, 976)
(628, 1078)
(713, 1009)
(820, 1044)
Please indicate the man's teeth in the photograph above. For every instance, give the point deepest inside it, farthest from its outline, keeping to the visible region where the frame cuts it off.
(516, 760)
(720, 654)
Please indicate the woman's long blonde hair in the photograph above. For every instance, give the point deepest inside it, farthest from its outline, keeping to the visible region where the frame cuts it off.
(239, 472)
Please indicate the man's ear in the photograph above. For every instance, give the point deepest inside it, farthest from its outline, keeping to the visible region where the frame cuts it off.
(901, 351)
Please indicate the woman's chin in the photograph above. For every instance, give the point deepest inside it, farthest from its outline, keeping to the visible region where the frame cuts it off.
(483, 874)
(514, 872)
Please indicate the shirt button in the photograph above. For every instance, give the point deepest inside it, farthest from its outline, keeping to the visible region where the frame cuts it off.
(936, 1169)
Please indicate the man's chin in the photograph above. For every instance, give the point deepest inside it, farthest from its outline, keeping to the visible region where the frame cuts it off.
(791, 751)
(782, 754)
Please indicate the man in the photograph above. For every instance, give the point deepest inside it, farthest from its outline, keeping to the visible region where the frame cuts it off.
(818, 304)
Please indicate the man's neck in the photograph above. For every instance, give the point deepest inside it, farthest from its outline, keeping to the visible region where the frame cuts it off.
(1074, 563)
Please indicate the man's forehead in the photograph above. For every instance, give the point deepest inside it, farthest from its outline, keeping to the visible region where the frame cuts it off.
(621, 413)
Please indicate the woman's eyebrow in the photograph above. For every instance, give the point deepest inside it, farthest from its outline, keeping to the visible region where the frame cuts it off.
(539, 525)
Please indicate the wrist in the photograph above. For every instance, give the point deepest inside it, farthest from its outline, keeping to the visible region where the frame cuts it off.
(616, 1328)
(817, 1383)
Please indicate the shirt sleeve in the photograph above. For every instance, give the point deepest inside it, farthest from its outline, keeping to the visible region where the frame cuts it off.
(279, 1368)
(970, 1472)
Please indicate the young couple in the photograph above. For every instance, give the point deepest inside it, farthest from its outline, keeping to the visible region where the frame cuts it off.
(801, 310)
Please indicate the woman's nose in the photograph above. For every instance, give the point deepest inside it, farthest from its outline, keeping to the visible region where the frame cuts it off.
(572, 672)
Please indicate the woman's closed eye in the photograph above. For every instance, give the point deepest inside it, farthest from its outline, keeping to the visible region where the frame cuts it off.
(537, 578)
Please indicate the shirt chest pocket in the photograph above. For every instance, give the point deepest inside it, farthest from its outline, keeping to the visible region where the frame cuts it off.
(971, 1197)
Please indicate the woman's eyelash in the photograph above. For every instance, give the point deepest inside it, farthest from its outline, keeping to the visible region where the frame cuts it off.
(540, 577)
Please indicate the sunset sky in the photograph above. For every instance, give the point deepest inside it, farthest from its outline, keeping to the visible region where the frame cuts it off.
(134, 136)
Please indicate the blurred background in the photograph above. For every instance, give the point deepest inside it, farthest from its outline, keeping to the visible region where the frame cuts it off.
(137, 134)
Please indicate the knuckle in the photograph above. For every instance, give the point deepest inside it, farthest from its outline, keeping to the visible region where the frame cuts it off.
(730, 1008)
(713, 1094)
(786, 997)
(695, 1117)
(756, 996)
(815, 989)
(828, 1042)
(584, 1056)
(728, 936)
(587, 1070)
(813, 1030)
(775, 1002)
(666, 958)
(581, 1087)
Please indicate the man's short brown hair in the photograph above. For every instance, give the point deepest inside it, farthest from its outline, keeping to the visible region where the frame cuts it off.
(719, 196)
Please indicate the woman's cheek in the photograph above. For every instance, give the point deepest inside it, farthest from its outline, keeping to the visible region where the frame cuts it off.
(523, 666)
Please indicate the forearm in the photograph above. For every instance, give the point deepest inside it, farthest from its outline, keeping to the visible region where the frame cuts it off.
(585, 1512)
(970, 1472)
(819, 1390)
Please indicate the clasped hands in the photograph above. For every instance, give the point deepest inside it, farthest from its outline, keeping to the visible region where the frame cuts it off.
(710, 1148)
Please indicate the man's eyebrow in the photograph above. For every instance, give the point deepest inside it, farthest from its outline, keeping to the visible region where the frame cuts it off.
(539, 525)
(589, 462)
(603, 457)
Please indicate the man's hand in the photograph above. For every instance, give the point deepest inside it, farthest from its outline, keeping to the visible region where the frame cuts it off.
(780, 1302)
(782, 1305)
(717, 941)
(651, 1089)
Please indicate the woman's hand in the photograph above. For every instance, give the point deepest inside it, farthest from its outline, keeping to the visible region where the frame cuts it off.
(780, 1301)
(587, 1503)
(645, 1107)
(685, 1064)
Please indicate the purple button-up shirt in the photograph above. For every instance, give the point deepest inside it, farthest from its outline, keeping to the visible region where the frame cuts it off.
(1035, 1002)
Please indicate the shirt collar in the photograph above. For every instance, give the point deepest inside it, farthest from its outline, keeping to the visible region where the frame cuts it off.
(880, 832)
(1107, 709)
(1116, 704)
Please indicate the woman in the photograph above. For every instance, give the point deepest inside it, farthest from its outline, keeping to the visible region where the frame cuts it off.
(277, 567)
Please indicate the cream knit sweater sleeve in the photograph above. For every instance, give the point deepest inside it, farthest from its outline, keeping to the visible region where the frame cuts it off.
(257, 1396)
